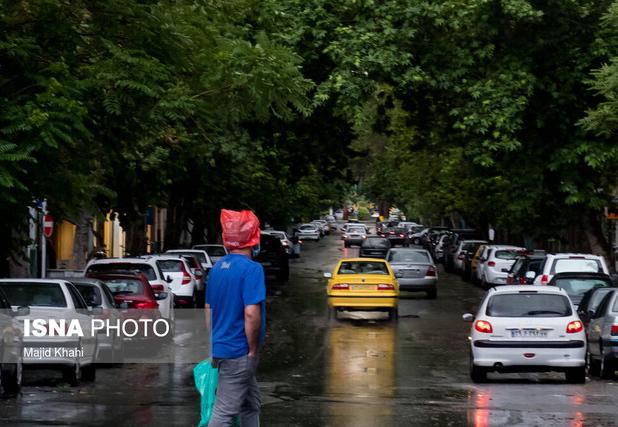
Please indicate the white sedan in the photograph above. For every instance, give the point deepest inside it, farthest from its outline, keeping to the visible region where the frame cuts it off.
(308, 232)
(524, 329)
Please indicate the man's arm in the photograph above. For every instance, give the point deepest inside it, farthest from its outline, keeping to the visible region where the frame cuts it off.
(253, 323)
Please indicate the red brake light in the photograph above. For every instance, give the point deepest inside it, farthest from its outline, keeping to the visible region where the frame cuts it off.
(523, 281)
(385, 287)
(491, 264)
(146, 304)
(483, 326)
(186, 277)
(341, 286)
(574, 327)
(431, 271)
(545, 279)
(614, 330)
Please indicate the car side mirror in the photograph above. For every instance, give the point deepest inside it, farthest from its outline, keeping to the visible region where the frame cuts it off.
(161, 296)
(468, 317)
(169, 279)
(328, 275)
(530, 276)
(23, 310)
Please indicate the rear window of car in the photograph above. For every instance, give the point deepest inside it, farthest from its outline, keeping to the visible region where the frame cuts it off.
(408, 256)
(34, 294)
(308, 227)
(572, 265)
(376, 243)
(579, 286)
(125, 286)
(356, 230)
(200, 256)
(528, 305)
(170, 265)
(111, 268)
(506, 254)
(363, 267)
(215, 250)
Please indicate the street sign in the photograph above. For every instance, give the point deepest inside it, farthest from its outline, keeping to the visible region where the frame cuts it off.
(48, 225)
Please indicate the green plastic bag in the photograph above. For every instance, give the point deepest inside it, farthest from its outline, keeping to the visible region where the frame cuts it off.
(206, 380)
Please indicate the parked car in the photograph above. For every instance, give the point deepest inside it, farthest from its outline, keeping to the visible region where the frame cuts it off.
(603, 337)
(590, 302)
(362, 284)
(495, 263)
(97, 295)
(309, 232)
(570, 262)
(347, 225)
(528, 262)
(469, 263)
(577, 284)
(354, 236)
(283, 237)
(146, 266)
(56, 300)
(395, 235)
(215, 252)
(205, 260)
(199, 264)
(182, 282)
(11, 346)
(462, 247)
(415, 270)
(374, 247)
(532, 328)
(274, 258)
(322, 226)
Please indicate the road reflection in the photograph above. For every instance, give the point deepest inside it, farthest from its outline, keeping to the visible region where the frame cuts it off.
(360, 373)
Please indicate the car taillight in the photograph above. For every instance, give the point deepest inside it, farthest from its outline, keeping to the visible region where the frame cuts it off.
(483, 326)
(523, 281)
(146, 304)
(491, 264)
(544, 279)
(341, 286)
(574, 327)
(614, 330)
(385, 287)
(431, 272)
(186, 277)
(157, 288)
(401, 235)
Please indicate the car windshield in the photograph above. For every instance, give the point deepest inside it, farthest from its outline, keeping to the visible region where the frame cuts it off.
(34, 294)
(363, 267)
(377, 242)
(125, 286)
(91, 294)
(111, 268)
(506, 254)
(200, 256)
(572, 265)
(308, 227)
(408, 256)
(579, 286)
(356, 230)
(170, 265)
(530, 304)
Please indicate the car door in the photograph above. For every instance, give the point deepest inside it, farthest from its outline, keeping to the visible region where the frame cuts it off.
(595, 328)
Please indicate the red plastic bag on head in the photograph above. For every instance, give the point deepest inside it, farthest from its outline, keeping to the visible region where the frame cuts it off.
(240, 229)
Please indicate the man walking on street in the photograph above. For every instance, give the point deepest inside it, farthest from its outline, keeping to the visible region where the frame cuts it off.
(236, 294)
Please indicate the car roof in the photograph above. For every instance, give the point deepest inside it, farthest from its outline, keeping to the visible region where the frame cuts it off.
(506, 247)
(362, 259)
(569, 254)
(542, 289)
(121, 260)
(28, 280)
(176, 251)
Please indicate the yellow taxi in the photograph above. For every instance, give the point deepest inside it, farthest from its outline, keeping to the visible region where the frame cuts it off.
(474, 264)
(363, 284)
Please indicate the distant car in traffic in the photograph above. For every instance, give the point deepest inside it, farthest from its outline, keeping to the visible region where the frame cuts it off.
(274, 258)
(374, 247)
(495, 263)
(603, 337)
(524, 263)
(354, 235)
(577, 285)
(283, 237)
(570, 262)
(527, 328)
(590, 302)
(309, 232)
(363, 284)
(214, 251)
(415, 270)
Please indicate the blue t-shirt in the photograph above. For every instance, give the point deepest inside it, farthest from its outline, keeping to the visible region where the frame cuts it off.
(233, 283)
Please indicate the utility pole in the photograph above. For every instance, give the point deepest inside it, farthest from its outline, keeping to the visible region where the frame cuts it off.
(43, 240)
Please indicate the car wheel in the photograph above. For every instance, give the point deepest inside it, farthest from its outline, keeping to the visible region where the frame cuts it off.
(432, 294)
(478, 374)
(416, 241)
(89, 373)
(607, 367)
(576, 375)
(72, 374)
(11, 377)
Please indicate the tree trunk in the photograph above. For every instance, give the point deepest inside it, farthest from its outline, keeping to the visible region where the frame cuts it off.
(83, 245)
(596, 240)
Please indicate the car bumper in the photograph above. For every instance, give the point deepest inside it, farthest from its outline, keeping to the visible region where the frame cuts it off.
(517, 356)
(496, 278)
(372, 254)
(309, 237)
(420, 284)
(354, 241)
(362, 303)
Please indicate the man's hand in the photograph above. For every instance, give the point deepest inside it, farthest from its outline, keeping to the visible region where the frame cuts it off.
(253, 323)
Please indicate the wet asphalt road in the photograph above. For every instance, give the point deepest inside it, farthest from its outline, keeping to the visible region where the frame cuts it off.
(358, 371)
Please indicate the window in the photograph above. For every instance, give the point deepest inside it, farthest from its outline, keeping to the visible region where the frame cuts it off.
(376, 242)
(215, 251)
(115, 267)
(76, 297)
(506, 254)
(573, 265)
(363, 267)
(91, 294)
(170, 265)
(529, 305)
(125, 286)
(34, 294)
(578, 287)
(200, 256)
(600, 311)
(409, 256)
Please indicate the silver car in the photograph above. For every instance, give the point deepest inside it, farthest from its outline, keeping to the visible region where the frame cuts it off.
(603, 337)
(415, 270)
(308, 232)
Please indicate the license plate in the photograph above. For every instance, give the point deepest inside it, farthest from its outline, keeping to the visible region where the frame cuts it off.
(528, 333)
(362, 287)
